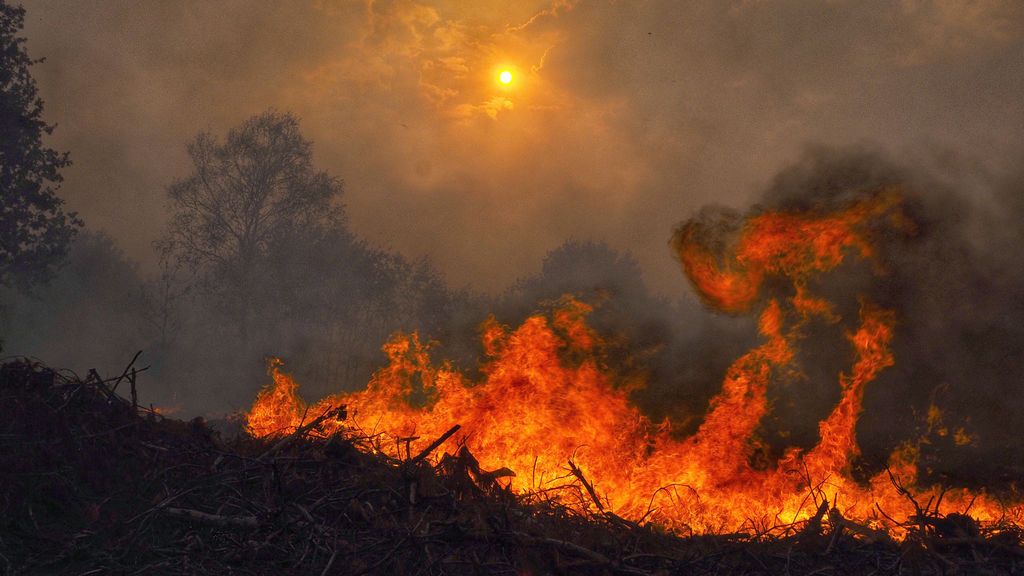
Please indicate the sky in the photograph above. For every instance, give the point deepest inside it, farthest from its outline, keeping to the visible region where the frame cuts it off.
(623, 117)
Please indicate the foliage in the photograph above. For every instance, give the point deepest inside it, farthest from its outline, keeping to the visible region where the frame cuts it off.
(35, 232)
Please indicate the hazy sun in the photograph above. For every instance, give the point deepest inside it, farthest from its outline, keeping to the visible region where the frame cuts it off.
(505, 77)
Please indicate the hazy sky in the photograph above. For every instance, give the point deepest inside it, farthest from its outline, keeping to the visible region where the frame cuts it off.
(624, 116)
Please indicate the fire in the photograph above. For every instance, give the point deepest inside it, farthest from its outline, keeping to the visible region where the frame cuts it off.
(546, 399)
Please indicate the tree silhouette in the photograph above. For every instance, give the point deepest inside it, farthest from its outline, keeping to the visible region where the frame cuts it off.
(254, 188)
(34, 229)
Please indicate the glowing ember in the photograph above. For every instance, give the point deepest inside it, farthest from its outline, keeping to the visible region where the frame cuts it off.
(545, 398)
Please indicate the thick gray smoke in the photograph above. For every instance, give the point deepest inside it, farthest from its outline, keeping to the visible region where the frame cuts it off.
(956, 282)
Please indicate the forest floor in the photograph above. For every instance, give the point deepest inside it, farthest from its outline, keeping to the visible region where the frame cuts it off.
(92, 483)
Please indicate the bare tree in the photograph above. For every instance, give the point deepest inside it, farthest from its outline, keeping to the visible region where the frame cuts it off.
(255, 186)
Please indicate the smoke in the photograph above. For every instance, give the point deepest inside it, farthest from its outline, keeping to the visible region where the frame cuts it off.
(324, 303)
(630, 115)
(87, 317)
(949, 272)
(625, 112)
(672, 348)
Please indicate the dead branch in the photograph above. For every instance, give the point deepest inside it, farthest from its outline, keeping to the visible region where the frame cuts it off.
(433, 445)
(589, 487)
(213, 519)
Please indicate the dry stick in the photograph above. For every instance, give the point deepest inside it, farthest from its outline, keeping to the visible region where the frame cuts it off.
(673, 485)
(426, 452)
(590, 488)
(124, 374)
(903, 491)
(300, 431)
(109, 392)
(213, 519)
(891, 519)
(938, 502)
(135, 395)
(433, 445)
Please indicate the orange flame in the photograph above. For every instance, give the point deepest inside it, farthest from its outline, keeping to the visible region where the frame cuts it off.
(546, 397)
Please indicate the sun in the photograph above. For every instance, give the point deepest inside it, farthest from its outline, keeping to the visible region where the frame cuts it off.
(505, 77)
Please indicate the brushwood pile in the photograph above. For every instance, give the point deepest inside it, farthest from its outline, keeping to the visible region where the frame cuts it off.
(92, 482)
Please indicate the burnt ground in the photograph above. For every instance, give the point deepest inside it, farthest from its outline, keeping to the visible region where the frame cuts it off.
(92, 483)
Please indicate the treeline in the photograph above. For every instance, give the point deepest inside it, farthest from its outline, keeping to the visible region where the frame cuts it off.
(258, 260)
(327, 312)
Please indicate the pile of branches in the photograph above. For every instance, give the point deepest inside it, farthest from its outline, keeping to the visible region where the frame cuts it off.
(93, 483)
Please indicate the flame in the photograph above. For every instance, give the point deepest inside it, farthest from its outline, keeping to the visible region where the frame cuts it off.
(546, 398)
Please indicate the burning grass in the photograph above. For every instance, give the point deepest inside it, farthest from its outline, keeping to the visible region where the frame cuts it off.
(94, 484)
(547, 396)
(543, 466)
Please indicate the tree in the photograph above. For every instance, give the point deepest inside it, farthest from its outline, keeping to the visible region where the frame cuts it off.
(584, 268)
(35, 232)
(245, 193)
(162, 296)
(87, 315)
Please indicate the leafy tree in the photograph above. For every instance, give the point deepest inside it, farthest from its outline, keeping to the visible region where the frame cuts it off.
(254, 188)
(35, 232)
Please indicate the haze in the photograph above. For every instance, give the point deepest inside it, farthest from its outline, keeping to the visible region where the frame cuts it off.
(625, 117)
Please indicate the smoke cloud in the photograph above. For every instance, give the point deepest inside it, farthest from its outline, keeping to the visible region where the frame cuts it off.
(623, 112)
(956, 287)
(624, 118)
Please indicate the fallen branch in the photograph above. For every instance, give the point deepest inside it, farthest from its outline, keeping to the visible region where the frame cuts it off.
(213, 519)
(433, 445)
